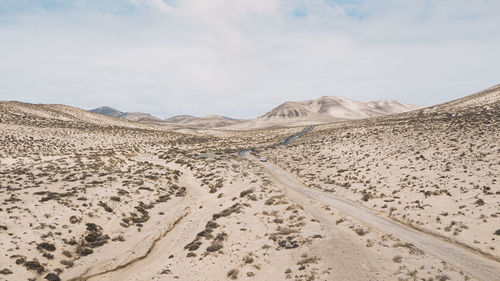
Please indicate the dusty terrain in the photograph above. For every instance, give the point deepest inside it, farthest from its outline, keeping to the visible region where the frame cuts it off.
(90, 197)
(436, 169)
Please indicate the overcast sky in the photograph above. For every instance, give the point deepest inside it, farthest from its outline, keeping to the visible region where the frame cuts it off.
(242, 58)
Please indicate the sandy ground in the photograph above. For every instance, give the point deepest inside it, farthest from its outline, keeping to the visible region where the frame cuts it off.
(435, 170)
(86, 197)
(455, 255)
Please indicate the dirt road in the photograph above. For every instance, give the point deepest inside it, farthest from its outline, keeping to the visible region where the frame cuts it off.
(469, 262)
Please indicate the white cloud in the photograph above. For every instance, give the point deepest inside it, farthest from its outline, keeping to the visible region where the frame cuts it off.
(240, 58)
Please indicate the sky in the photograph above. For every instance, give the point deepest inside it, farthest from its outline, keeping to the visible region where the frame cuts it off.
(241, 58)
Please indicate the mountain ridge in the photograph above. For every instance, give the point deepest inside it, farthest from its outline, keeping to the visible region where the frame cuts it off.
(323, 110)
(290, 113)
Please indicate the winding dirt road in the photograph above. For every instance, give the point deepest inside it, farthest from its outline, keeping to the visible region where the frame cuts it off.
(474, 264)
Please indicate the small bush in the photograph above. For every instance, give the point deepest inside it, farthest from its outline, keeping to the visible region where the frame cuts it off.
(232, 274)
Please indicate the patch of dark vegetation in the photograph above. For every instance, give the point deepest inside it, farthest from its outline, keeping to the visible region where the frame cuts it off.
(84, 251)
(106, 207)
(20, 260)
(214, 247)
(94, 237)
(193, 246)
(305, 260)
(236, 208)
(206, 233)
(412, 248)
(52, 277)
(248, 259)
(191, 254)
(361, 231)
(276, 200)
(46, 246)
(233, 274)
(285, 237)
(34, 265)
(67, 263)
(74, 219)
(163, 198)
(67, 253)
(181, 192)
(54, 195)
(48, 256)
(442, 277)
(479, 202)
(366, 197)
(5, 271)
(246, 192)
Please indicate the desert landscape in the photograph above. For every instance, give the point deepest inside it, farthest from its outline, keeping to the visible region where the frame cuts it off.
(92, 197)
(209, 140)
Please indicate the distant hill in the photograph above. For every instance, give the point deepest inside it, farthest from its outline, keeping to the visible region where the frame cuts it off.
(55, 115)
(108, 111)
(322, 110)
(131, 116)
(209, 121)
(180, 119)
(293, 113)
(140, 117)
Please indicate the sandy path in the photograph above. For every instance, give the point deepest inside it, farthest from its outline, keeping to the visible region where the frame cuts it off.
(356, 262)
(473, 264)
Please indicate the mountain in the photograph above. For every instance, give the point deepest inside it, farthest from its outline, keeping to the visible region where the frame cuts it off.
(323, 110)
(131, 116)
(209, 121)
(293, 113)
(140, 117)
(180, 119)
(108, 111)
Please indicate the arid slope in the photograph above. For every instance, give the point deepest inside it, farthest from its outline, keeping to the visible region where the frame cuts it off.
(435, 169)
